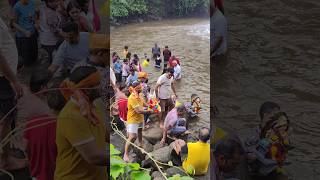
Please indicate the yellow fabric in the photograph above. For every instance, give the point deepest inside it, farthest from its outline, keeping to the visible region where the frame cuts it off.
(218, 134)
(142, 75)
(99, 41)
(125, 53)
(72, 130)
(145, 63)
(133, 102)
(198, 157)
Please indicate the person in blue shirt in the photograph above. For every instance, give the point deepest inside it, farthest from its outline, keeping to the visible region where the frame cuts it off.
(132, 77)
(118, 70)
(24, 20)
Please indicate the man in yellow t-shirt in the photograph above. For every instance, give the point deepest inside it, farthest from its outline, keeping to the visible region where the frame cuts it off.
(197, 154)
(135, 117)
(80, 136)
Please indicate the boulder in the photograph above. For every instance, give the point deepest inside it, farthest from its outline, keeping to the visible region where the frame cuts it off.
(146, 145)
(118, 142)
(173, 171)
(157, 175)
(158, 146)
(133, 158)
(162, 154)
(153, 134)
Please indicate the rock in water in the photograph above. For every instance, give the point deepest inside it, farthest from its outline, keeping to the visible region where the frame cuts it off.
(173, 171)
(118, 142)
(153, 134)
(162, 154)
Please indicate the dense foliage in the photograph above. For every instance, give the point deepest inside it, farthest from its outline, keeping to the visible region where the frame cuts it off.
(161, 8)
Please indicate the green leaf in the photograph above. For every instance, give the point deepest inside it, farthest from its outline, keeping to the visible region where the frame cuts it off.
(186, 178)
(191, 170)
(134, 166)
(116, 171)
(175, 177)
(113, 150)
(140, 175)
(117, 160)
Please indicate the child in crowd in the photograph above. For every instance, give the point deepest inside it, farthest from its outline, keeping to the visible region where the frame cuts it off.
(118, 70)
(158, 61)
(74, 13)
(50, 27)
(89, 11)
(24, 21)
(125, 70)
(114, 57)
(194, 106)
(125, 51)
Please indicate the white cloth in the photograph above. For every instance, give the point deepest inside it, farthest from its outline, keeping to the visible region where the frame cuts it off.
(218, 28)
(8, 48)
(112, 76)
(125, 70)
(177, 72)
(50, 23)
(165, 86)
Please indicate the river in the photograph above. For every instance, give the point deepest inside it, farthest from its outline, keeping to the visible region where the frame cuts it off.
(187, 39)
(273, 56)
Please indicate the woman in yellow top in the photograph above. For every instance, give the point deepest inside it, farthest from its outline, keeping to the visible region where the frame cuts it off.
(125, 51)
(135, 117)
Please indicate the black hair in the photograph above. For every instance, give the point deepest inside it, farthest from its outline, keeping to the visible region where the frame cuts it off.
(39, 78)
(71, 5)
(81, 73)
(71, 27)
(135, 56)
(166, 47)
(114, 53)
(125, 60)
(170, 70)
(227, 148)
(126, 47)
(204, 134)
(55, 99)
(267, 107)
(129, 55)
(148, 59)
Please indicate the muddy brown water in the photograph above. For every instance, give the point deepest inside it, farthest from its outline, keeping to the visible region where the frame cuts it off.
(188, 39)
(274, 55)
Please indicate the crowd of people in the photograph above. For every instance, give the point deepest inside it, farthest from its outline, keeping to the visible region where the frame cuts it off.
(135, 101)
(56, 121)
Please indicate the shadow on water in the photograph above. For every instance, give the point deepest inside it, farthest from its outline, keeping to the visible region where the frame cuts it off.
(274, 56)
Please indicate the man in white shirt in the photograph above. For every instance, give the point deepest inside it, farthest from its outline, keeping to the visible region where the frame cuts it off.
(163, 90)
(218, 32)
(177, 70)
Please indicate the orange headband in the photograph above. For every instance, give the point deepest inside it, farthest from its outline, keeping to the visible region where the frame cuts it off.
(69, 87)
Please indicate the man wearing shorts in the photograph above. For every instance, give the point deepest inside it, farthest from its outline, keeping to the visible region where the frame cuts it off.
(135, 117)
(163, 92)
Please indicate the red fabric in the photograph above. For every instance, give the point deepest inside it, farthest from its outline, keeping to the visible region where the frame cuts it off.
(96, 18)
(123, 108)
(219, 4)
(171, 60)
(41, 148)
